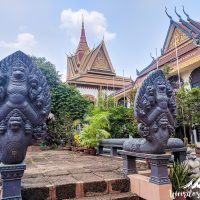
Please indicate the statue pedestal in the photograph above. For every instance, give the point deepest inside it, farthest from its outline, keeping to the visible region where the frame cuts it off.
(11, 181)
(141, 185)
(159, 172)
(154, 185)
(158, 163)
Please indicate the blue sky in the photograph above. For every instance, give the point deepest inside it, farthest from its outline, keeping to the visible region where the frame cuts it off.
(51, 28)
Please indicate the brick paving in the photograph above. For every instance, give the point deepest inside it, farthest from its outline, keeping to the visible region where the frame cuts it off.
(65, 174)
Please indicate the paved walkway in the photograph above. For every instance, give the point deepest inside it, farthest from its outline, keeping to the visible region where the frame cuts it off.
(50, 166)
(47, 170)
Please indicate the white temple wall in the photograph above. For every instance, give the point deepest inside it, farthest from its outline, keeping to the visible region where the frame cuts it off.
(186, 77)
(93, 91)
(108, 92)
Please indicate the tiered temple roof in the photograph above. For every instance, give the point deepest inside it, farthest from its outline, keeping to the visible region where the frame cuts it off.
(93, 67)
(180, 35)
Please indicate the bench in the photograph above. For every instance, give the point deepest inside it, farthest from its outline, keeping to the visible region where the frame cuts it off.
(158, 163)
(113, 144)
(178, 153)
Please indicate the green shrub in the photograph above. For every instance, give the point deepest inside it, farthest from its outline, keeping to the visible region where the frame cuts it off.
(122, 122)
(95, 129)
(67, 106)
(179, 176)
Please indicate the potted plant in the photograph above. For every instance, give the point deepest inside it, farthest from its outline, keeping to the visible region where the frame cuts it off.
(95, 130)
(77, 141)
(179, 176)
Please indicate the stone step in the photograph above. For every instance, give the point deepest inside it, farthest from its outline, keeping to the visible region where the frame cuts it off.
(64, 188)
(119, 196)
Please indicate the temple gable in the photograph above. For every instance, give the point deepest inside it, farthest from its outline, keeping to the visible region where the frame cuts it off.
(180, 37)
(101, 62)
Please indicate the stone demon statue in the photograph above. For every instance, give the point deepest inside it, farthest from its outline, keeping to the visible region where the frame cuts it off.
(24, 106)
(155, 109)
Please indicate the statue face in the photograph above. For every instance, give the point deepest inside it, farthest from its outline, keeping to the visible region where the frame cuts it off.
(169, 91)
(15, 123)
(150, 90)
(163, 122)
(161, 94)
(34, 84)
(146, 103)
(161, 88)
(18, 72)
(143, 130)
(14, 139)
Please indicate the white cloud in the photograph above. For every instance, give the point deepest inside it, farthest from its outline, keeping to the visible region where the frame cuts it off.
(95, 25)
(24, 41)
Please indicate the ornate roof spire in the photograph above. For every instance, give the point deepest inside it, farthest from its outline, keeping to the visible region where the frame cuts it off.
(188, 17)
(170, 17)
(180, 19)
(83, 37)
(152, 57)
(137, 72)
(82, 46)
(188, 25)
(194, 23)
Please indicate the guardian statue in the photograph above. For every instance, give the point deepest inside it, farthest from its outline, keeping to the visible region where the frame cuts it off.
(155, 110)
(24, 106)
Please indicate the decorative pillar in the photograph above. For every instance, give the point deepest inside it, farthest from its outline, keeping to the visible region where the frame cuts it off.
(129, 164)
(159, 171)
(11, 181)
(113, 151)
(100, 150)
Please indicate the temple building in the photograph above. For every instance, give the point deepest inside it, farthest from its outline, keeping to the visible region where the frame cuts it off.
(91, 70)
(180, 54)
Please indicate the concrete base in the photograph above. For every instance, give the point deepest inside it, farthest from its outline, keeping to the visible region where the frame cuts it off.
(141, 186)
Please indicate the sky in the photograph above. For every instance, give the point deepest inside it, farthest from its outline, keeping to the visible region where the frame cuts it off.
(132, 29)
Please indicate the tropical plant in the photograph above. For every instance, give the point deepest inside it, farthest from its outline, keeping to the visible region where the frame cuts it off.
(59, 129)
(95, 129)
(77, 139)
(68, 108)
(65, 98)
(122, 122)
(179, 176)
(188, 106)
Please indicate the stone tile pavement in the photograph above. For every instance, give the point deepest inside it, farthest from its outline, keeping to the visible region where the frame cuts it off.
(65, 174)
